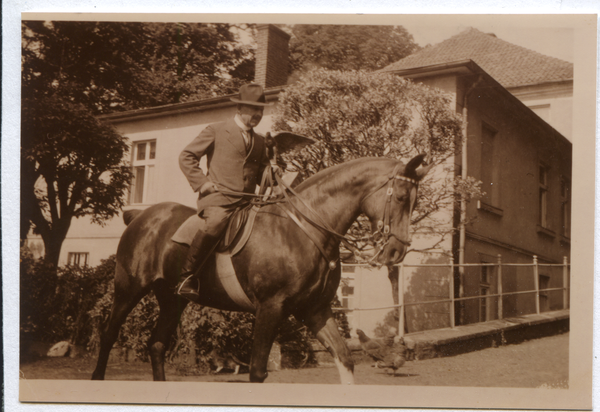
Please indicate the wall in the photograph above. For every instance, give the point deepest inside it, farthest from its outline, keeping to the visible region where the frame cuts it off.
(552, 102)
(508, 223)
(518, 150)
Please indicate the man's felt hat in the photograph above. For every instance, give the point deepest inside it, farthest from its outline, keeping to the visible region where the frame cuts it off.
(251, 94)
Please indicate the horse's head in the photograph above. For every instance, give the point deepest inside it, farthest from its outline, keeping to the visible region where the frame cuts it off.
(389, 207)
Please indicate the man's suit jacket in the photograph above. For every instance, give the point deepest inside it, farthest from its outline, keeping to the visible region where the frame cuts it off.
(229, 165)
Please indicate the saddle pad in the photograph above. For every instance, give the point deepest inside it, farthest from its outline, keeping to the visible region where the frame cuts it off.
(230, 283)
(186, 232)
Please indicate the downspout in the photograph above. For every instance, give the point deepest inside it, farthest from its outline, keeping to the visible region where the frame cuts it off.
(463, 202)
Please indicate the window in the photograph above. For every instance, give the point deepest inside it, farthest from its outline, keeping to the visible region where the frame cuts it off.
(543, 196)
(78, 258)
(543, 111)
(486, 277)
(544, 283)
(489, 168)
(565, 210)
(483, 306)
(346, 296)
(142, 188)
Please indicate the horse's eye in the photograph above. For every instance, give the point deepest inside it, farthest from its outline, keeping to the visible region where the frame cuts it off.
(403, 198)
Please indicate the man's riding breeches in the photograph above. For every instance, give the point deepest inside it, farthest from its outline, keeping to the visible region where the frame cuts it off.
(216, 219)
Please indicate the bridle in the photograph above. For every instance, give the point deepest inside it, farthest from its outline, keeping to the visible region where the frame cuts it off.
(380, 237)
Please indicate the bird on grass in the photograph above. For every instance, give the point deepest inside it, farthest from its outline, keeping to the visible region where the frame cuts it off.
(385, 355)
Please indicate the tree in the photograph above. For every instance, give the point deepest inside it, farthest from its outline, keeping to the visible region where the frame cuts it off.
(71, 165)
(191, 61)
(357, 114)
(115, 66)
(348, 47)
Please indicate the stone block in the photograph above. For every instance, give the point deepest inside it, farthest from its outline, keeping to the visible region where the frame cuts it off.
(59, 350)
(274, 363)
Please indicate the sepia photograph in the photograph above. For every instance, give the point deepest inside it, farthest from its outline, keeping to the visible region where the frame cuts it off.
(349, 211)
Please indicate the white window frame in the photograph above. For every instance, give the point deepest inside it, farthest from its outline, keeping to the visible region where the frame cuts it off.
(543, 172)
(565, 200)
(74, 258)
(489, 172)
(147, 193)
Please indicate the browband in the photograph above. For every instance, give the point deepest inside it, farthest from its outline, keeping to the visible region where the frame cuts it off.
(406, 179)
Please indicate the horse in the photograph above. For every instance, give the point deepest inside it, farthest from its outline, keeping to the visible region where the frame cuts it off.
(289, 265)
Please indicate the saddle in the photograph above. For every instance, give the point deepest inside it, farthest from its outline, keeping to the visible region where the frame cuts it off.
(235, 235)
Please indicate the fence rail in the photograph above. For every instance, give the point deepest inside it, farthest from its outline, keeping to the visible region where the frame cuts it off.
(452, 299)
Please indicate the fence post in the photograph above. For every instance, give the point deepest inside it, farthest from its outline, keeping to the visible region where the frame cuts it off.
(401, 301)
(500, 309)
(565, 282)
(451, 283)
(536, 282)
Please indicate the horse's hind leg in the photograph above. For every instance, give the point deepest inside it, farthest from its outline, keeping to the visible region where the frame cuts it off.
(323, 325)
(171, 308)
(124, 301)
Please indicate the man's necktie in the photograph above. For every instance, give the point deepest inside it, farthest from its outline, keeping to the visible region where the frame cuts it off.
(247, 139)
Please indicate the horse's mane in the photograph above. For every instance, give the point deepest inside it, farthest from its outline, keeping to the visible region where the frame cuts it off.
(362, 165)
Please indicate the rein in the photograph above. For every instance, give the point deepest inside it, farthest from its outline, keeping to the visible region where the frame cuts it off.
(383, 226)
(349, 242)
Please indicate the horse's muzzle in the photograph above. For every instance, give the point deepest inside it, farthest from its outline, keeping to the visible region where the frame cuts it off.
(393, 252)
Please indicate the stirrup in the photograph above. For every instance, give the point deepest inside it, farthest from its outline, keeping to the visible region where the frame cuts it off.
(190, 293)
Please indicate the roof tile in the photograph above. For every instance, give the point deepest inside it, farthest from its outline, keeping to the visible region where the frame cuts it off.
(509, 64)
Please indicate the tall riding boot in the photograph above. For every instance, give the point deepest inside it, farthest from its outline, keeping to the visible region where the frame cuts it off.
(200, 249)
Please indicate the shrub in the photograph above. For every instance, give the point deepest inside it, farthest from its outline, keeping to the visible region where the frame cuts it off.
(55, 302)
(135, 331)
(73, 303)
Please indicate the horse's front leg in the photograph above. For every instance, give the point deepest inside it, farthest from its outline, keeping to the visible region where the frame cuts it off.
(268, 317)
(323, 325)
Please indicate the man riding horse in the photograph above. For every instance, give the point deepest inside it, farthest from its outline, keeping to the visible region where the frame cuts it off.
(236, 159)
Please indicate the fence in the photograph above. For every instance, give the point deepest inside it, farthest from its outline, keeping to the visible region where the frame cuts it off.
(452, 300)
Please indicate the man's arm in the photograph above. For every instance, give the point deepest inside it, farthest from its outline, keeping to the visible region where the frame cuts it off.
(190, 157)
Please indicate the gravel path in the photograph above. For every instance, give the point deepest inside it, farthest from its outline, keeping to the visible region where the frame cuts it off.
(537, 363)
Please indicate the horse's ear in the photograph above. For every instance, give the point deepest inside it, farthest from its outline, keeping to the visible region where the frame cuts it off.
(414, 163)
(411, 168)
(422, 171)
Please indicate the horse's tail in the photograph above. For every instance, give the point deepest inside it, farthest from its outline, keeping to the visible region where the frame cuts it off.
(129, 215)
(236, 360)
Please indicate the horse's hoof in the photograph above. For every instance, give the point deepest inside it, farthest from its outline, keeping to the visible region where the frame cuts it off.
(258, 378)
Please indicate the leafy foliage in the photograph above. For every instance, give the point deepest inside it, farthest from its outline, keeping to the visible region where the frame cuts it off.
(389, 325)
(72, 166)
(74, 304)
(428, 283)
(348, 47)
(115, 66)
(359, 114)
(54, 305)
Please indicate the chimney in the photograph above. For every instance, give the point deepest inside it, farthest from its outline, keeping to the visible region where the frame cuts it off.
(272, 55)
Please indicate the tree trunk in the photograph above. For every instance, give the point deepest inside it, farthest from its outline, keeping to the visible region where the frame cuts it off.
(52, 246)
(53, 241)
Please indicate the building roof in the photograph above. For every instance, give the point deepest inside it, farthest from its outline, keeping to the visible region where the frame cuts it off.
(509, 64)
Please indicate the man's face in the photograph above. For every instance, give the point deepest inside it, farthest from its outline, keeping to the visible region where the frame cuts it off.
(251, 115)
